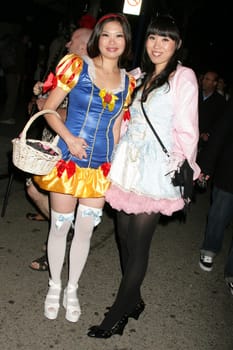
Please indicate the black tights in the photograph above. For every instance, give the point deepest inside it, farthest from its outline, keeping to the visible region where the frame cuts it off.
(135, 233)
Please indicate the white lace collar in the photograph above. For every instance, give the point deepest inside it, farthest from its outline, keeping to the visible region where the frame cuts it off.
(91, 72)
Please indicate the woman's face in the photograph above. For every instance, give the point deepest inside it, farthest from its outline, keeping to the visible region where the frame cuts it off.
(160, 49)
(112, 40)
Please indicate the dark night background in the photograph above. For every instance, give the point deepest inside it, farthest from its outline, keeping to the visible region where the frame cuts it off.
(206, 25)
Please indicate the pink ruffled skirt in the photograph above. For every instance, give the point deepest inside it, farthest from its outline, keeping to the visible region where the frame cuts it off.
(133, 203)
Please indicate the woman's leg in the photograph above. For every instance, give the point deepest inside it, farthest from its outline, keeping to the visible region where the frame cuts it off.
(62, 214)
(135, 240)
(219, 216)
(39, 198)
(88, 216)
(122, 228)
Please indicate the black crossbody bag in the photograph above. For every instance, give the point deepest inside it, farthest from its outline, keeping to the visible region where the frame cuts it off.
(183, 176)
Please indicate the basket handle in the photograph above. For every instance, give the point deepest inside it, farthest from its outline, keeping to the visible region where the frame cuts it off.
(33, 118)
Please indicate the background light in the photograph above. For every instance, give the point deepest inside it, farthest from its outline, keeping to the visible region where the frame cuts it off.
(132, 7)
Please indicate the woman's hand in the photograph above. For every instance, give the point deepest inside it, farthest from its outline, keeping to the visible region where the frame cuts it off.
(204, 136)
(203, 177)
(202, 180)
(77, 147)
(37, 88)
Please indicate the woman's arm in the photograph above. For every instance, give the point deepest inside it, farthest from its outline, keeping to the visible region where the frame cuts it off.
(117, 128)
(75, 144)
(186, 131)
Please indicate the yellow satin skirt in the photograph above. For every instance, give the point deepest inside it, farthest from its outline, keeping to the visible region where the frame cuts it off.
(82, 183)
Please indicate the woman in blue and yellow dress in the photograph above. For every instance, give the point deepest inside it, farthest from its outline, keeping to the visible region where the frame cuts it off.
(99, 92)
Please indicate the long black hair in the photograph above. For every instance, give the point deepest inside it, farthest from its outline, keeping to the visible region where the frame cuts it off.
(163, 25)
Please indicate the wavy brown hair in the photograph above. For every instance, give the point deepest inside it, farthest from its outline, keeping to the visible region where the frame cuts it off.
(93, 43)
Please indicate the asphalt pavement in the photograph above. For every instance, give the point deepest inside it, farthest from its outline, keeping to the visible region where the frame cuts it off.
(186, 308)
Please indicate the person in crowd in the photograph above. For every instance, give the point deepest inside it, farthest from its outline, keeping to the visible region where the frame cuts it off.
(13, 53)
(210, 106)
(141, 172)
(222, 88)
(215, 166)
(77, 44)
(99, 91)
(56, 49)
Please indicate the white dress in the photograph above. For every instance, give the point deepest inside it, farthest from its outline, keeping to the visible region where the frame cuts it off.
(141, 172)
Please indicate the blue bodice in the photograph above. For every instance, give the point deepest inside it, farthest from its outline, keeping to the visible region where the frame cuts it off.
(87, 118)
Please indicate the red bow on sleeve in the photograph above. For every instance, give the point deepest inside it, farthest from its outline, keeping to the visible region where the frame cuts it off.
(126, 115)
(50, 83)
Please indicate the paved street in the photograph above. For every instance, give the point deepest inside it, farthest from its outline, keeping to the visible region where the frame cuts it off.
(186, 308)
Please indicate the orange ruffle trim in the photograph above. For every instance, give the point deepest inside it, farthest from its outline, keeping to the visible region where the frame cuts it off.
(84, 183)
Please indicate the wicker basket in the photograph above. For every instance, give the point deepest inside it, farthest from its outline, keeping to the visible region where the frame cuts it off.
(35, 156)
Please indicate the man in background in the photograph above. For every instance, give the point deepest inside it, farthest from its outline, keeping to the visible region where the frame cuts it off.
(210, 105)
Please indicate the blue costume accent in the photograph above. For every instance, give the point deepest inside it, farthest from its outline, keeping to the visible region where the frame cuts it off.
(88, 119)
(91, 114)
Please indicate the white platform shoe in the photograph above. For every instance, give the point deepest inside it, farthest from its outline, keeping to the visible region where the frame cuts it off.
(52, 301)
(71, 303)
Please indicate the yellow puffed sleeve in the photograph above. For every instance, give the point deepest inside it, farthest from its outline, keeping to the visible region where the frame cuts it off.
(68, 71)
(131, 87)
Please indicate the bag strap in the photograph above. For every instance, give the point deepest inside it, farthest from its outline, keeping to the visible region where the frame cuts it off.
(154, 132)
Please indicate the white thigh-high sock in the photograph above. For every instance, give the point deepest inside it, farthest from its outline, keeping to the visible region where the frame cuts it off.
(56, 247)
(86, 219)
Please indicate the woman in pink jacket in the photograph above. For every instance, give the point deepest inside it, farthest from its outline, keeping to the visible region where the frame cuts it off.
(141, 187)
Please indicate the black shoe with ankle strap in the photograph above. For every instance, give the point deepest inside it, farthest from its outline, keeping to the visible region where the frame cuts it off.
(135, 313)
(118, 328)
(139, 308)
